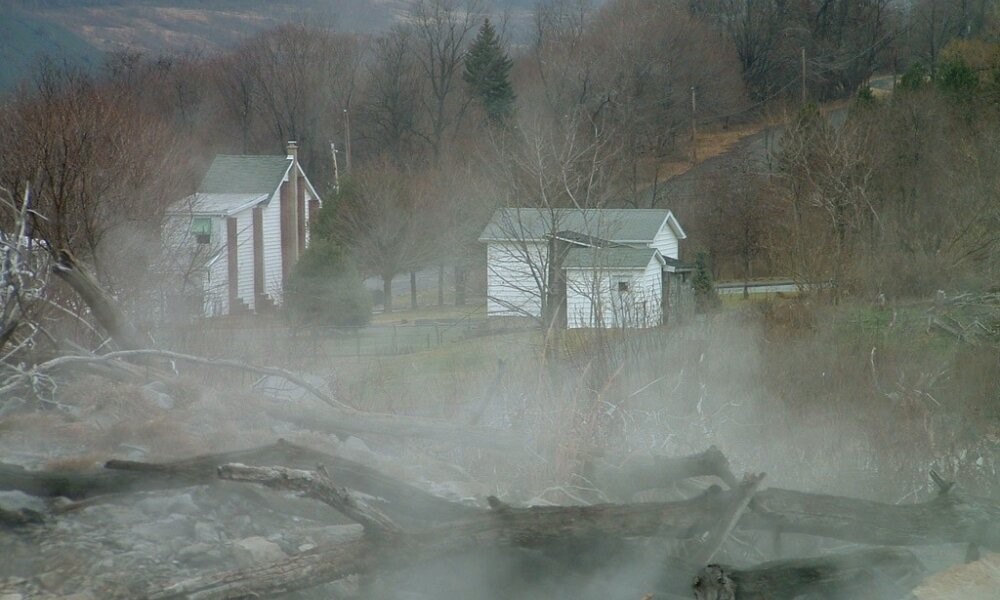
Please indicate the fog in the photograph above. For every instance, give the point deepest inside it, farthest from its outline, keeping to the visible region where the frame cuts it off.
(626, 299)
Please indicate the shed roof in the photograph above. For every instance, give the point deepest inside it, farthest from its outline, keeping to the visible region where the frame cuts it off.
(625, 225)
(234, 174)
(217, 204)
(609, 258)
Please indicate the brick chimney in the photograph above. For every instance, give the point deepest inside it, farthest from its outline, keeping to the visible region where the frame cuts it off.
(290, 214)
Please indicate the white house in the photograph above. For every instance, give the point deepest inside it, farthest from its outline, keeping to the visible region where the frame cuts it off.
(586, 267)
(233, 243)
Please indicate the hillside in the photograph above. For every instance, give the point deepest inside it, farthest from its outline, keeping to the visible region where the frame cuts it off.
(25, 37)
(84, 31)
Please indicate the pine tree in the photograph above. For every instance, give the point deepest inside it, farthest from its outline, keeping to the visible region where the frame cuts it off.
(487, 74)
(705, 297)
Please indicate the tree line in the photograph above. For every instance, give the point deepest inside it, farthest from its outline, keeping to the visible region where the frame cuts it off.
(451, 112)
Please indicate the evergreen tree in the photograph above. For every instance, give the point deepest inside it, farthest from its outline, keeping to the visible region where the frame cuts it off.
(705, 297)
(325, 287)
(487, 74)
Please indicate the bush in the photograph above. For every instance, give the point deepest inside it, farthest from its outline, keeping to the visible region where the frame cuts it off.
(326, 289)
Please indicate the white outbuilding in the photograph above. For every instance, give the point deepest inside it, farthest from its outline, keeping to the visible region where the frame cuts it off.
(586, 267)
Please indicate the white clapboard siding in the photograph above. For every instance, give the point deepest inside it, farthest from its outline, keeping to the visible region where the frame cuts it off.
(272, 248)
(513, 273)
(666, 241)
(244, 256)
(216, 276)
(593, 299)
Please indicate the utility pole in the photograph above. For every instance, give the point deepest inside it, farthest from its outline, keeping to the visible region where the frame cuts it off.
(347, 150)
(336, 171)
(694, 128)
(803, 75)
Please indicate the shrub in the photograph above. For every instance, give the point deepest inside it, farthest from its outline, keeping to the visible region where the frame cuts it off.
(326, 289)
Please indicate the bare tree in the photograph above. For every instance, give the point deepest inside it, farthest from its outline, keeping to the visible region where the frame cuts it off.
(737, 227)
(442, 31)
(101, 170)
(391, 99)
(382, 219)
(304, 78)
(23, 278)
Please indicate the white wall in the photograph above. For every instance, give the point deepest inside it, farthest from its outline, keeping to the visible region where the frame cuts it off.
(216, 286)
(515, 278)
(272, 249)
(666, 242)
(593, 299)
(244, 256)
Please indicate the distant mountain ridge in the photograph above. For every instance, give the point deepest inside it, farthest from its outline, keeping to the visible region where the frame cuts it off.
(82, 31)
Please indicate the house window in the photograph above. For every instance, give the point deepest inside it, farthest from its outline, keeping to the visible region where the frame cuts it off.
(201, 228)
(622, 286)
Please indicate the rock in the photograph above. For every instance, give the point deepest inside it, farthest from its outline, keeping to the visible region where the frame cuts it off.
(205, 533)
(52, 580)
(256, 551)
(161, 504)
(336, 534)
(155, 393)
(15, 500)
(173, 526)
(193, 551)
(302, 548)
(186, 505)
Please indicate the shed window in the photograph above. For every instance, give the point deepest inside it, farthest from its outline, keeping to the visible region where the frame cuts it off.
(622, 286)
(201, 228)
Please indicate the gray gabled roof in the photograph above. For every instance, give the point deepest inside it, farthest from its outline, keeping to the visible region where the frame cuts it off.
(224, 205)
(609, 258)
(626, 225)
(232, 174)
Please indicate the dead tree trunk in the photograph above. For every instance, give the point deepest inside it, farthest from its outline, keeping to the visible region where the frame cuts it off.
(120, 476)
(950, 517)
(386, 547)
(873, 573)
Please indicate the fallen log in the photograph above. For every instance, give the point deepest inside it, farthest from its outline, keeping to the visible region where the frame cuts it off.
(884, 573)
(503, 525)
(122, 476)
(950, 517)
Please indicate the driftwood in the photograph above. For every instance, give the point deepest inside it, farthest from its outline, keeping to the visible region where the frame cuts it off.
(121, 476)
(872, 573)
(390, 548)
(950, 517)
